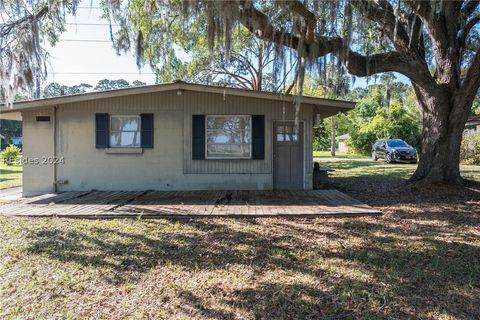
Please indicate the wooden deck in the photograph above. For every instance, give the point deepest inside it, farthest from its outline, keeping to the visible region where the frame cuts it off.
(151, 204)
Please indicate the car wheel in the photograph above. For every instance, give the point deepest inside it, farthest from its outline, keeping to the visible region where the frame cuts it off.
(374, 156)
(388, 158)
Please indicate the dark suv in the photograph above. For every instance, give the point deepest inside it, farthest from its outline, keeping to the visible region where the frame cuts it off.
(394, 150)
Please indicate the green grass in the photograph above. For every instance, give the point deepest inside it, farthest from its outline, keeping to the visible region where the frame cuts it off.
(420, 260)
(327, 154)
(380, 169)
(10, 176)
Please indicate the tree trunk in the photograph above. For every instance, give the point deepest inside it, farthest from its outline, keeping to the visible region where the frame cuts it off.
(260, 68)
(334, 142)
(443, 124)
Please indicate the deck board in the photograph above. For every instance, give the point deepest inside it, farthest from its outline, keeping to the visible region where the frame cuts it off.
(113, 204)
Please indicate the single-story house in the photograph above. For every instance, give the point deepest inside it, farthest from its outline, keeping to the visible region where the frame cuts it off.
(342, 142)
(176, 136)
(473, 124)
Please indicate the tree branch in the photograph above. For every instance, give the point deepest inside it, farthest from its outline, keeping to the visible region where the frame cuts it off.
(300, 9)
(259, 24)
(231, 74)
(382, 13)
(469, 8)
(423, 9)
(471, 83)
(463, 34)
(6, 28)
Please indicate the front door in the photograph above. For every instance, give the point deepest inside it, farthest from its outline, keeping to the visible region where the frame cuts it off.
(287, 155)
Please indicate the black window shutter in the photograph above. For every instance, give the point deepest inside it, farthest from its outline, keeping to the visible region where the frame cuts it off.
(146, 121)
(258, 137)
(101, 130)
(198, 137)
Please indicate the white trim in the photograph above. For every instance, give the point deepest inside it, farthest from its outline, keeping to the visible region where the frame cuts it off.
(341, 105)
(124, 150)
(124, 116)
(206, 137)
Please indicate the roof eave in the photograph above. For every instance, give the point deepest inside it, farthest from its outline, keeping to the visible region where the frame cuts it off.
(26, 105)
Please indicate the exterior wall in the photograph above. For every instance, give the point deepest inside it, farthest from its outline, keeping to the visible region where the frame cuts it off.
(168, 166)
(342, 146)
(472, 128)
(202, 103)
(38, 171)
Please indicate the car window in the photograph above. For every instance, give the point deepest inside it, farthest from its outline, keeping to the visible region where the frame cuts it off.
(397, 143)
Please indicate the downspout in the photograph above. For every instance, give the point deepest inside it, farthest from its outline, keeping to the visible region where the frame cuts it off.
(55, 149)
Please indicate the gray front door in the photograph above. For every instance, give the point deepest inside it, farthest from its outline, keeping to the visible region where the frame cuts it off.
(287, 155)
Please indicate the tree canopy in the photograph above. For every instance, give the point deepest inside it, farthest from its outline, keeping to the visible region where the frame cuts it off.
(55, 89)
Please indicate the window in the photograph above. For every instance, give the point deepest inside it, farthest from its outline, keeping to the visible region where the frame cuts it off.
(43, 118)
(228, 137)
(124, 131)
(397, 143)
(286, 133)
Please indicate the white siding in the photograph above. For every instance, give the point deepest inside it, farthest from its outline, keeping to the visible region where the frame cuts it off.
(38, 145)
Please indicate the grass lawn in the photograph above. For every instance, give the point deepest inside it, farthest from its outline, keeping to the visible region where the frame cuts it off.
(327, 154)
(420, 260)
(374, 169)
(10, 176)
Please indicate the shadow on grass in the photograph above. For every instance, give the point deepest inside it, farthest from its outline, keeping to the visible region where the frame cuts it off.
(347, 164)
(10, 171)
(408, 279)
(210, 245)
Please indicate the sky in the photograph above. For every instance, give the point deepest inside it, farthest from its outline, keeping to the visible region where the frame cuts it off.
(85, 54)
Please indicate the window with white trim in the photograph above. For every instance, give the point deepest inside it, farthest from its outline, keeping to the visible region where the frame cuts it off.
(228, 137)
(125, 131)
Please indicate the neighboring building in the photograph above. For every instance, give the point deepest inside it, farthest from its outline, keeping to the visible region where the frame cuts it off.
(17, 141)
(176, 136)
(472, 125)
(342, 142)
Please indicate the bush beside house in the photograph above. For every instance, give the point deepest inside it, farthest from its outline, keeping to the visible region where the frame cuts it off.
(470, 149)
(10, 154)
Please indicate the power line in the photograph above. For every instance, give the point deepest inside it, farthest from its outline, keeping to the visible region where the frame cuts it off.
(84, 40)
(89, 24)
(139, 73)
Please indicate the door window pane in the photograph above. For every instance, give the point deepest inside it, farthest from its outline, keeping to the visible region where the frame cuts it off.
(280, 132)
(288, 133)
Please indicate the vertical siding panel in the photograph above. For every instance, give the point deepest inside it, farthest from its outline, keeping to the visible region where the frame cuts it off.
(204, 103)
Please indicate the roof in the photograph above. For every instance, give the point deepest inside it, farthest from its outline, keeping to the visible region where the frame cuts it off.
(343, 137)
(336, 105)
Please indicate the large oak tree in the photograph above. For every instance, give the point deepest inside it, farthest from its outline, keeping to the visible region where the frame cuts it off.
(433, 43)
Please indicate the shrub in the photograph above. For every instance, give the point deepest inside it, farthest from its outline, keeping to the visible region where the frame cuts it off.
(470, 149)
(10, 154)
(395, 123)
